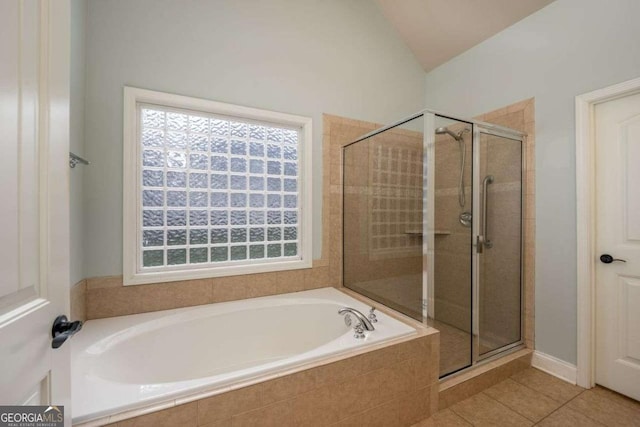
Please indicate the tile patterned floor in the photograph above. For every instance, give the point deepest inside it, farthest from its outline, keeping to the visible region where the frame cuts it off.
(532, 397)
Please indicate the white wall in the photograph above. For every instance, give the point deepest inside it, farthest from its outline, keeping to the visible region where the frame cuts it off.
(76, 137)
(568, 48)
(301, 57)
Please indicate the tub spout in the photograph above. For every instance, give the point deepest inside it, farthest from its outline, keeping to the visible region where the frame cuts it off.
(363, 322)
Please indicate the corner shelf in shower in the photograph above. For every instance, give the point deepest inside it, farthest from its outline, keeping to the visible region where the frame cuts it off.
(435, 232)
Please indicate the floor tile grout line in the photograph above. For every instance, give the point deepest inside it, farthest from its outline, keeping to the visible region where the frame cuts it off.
(497, 401)
(513, 409)
(506, 406)
(565, 404)
(561, 406)
(460, 415)
(466, 421)
(546, 395)
(592, 419)
(517, 412)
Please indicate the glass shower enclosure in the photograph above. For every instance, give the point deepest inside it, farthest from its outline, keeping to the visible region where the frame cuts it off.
(432, 228)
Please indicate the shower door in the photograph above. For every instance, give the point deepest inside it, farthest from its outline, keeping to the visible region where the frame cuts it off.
(498, 230)
(473, 237)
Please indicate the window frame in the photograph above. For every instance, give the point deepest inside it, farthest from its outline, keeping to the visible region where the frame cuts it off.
(133, 273)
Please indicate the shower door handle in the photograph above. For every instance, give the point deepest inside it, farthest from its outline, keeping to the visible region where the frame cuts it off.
(483, 240)
(479, 244)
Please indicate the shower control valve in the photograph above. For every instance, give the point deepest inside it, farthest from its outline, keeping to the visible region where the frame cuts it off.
(372, 316)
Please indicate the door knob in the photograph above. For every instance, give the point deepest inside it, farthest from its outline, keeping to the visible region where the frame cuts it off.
(62, 330)
(608, 259)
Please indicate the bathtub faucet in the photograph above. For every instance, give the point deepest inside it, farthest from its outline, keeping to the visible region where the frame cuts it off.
(362, 322)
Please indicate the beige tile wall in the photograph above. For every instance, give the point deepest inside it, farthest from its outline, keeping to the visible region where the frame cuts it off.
(392, 385)
(337, 132)
(108, 297)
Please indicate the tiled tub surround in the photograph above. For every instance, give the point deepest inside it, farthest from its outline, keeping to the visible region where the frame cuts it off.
(228, 343)
(386, 386)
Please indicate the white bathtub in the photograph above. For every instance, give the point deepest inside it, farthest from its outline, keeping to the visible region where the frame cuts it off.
(129, 362)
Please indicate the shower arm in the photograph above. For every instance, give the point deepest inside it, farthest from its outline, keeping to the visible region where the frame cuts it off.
(483, 241)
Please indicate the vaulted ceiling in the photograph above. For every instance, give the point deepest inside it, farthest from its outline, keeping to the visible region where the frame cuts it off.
(438, 30)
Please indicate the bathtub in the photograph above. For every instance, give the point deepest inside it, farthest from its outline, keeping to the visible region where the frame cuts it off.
(144, 360)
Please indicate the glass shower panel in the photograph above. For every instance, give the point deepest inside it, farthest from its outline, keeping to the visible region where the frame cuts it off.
(382, 208)
(499, 263)
(451, 290)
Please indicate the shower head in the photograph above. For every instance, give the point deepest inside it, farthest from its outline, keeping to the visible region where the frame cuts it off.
(443, 130)
(458, 137)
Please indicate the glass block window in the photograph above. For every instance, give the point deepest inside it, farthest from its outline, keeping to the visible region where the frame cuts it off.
(216, 191)
(396, 201)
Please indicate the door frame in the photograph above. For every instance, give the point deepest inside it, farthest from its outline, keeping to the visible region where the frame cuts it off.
(585, 222)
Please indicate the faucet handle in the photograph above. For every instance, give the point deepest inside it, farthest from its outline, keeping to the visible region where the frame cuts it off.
(358, 331)
(347, 320)
(372, 316)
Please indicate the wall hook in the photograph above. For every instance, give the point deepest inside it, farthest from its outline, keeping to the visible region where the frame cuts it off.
(74, 159)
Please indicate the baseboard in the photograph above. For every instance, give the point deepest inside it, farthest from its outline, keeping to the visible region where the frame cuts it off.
(554, 366)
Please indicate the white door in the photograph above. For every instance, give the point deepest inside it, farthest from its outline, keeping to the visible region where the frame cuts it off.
(34, 249)
(617, 127)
